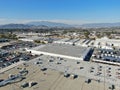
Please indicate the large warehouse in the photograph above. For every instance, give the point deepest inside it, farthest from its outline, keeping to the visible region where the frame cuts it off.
(63, 51)
(106, 43)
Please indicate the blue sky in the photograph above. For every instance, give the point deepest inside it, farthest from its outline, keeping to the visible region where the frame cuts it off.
(66, 11)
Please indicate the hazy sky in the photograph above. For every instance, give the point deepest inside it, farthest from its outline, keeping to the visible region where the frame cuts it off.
(67, 11)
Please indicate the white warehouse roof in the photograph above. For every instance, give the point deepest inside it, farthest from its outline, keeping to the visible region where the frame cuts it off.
(61, 50)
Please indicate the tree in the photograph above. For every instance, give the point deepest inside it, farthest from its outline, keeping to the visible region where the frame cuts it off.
(86, 34)
(64, 32)
(108, 34)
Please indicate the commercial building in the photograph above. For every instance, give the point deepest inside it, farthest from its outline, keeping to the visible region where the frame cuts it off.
(2, 40)
(106, 43)
(32, 39)
(108, 56)
(63, 51)
(76, 42)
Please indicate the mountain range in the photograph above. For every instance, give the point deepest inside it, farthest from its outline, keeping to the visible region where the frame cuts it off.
(101, 25)
(46, 24)
(49, 24)
(35, 25)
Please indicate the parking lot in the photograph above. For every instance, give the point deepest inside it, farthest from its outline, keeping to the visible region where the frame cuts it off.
(106, 56)
(95, 71)
(18, 45)
(49, 80)
(14, 52)
(9, 58)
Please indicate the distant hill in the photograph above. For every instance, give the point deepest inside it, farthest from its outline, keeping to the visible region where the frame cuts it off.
(35, 25)
(21, 26)
(46, 25)
(100, 25)
(49, 24)
(15, 26)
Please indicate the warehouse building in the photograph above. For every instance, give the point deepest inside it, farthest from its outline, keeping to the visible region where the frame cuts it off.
(63, 51)
(106, 43)
(75, 42)
(41, 39)
(2, 40)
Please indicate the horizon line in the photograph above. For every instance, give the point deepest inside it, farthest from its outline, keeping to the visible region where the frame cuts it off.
(69, 22)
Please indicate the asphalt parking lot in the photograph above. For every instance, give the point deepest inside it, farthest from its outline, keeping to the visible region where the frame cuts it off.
(96, 71)
(19, 45)
(13, 57)
(49, 80)
(53, 77)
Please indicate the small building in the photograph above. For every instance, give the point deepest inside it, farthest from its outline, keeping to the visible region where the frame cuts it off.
(2, 40)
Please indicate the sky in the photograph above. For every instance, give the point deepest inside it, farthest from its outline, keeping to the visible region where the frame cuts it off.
(65, 11)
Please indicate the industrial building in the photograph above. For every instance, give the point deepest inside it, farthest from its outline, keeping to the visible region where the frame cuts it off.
(108, 56)
(76, 42)
(106, 43)
(2, 40)
(32, 39)
(63, 51)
